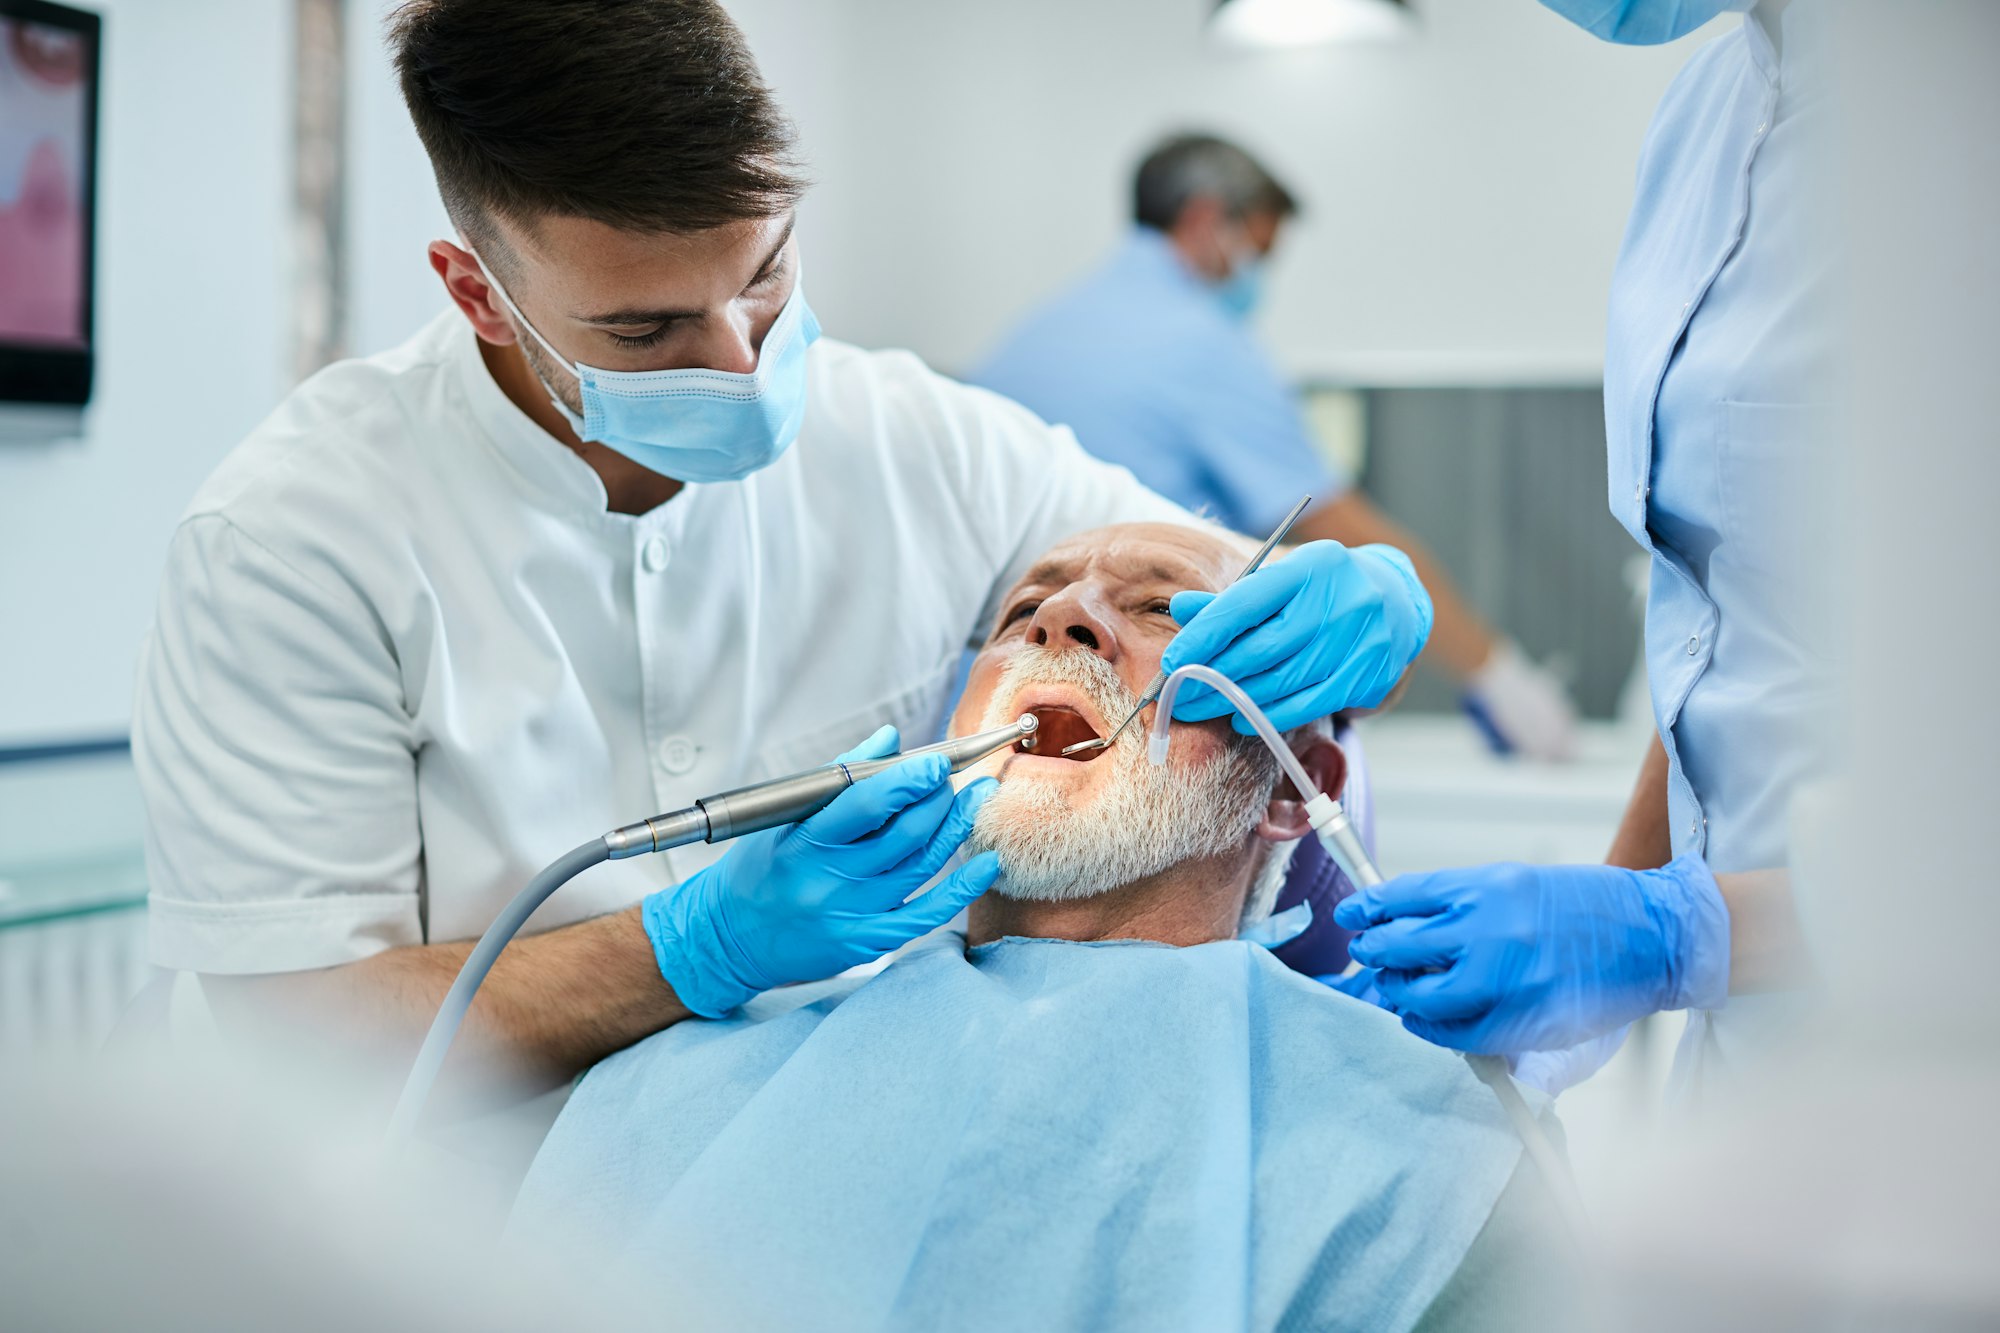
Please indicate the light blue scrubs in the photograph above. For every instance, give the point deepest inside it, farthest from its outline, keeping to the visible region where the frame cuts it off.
(1721, 335)
(1141, 360)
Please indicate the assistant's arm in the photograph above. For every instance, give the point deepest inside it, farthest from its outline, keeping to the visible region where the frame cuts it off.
(1643, 841)
(1767, 950)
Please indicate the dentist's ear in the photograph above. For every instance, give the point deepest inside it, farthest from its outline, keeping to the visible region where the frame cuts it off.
(1326, 764)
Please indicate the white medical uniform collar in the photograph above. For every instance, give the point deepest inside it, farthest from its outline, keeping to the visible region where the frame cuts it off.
(553, 477)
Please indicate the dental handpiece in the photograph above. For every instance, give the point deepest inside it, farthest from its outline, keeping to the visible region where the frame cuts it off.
(788, 800)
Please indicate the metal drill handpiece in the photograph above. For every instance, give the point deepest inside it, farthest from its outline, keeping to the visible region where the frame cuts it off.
(1152, 691)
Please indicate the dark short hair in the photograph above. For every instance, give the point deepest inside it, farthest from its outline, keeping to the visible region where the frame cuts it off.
(648, 115)
(1187, 165)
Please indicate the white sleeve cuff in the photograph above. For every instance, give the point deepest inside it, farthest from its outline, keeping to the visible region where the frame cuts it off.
(279, 935)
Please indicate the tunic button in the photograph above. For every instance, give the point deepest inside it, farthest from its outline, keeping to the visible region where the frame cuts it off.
(1694, 644)
(677, 754)
(654, 556)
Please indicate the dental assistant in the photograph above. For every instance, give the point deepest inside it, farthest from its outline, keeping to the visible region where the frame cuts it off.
(1718, 349)
(617, 530)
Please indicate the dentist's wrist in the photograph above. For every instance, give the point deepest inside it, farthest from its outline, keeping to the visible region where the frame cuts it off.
(689, 949)
(1683, 898)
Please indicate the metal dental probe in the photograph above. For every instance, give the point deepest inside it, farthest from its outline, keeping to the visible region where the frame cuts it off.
(1152, 691)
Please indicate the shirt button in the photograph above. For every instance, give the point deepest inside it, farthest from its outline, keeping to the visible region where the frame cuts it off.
(654, 556)
(1639, 493)
(677, 754)
(1694, 644)
(1694, 827)
(1761, 128)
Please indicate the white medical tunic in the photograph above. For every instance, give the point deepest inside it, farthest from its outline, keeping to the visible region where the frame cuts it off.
(1719, 351)
(404, 656)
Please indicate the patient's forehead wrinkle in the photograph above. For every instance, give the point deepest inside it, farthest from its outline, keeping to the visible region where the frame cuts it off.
(1133, 557)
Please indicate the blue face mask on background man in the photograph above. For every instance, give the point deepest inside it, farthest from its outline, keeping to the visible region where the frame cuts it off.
(695, 425)
(1245, 284)
(1642, 22)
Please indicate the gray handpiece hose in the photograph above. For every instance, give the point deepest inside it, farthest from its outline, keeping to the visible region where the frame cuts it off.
(713, 819)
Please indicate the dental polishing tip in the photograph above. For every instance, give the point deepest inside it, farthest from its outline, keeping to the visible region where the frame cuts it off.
(1027, 724)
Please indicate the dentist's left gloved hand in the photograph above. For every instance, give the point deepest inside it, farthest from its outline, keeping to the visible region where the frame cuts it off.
(1324, 628)
(1505, 959)
(808, 900)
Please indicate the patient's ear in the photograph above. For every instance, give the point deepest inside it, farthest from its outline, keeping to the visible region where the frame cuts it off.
(1285, 817)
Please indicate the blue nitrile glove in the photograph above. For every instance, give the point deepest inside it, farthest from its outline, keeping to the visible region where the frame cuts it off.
(1504, 959)
(1322, 629)
(807, 900)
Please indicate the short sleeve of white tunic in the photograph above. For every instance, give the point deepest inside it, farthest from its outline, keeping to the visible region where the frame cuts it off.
(403, 656)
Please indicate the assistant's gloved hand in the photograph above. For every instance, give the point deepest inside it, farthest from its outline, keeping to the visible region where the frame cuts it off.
(1324, 628)
(807, 900)
(1524, 703)
(1503, 959)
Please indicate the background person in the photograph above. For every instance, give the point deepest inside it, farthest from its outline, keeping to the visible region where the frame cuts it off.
(1149, 360)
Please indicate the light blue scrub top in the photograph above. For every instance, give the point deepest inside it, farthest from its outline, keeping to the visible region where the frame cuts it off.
(1141, 360)
(1720, 338)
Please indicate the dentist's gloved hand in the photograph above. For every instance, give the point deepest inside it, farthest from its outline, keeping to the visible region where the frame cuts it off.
(805, 901)
(1502, 959)
(1324, 628)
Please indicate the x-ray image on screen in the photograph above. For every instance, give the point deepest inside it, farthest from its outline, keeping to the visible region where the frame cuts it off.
(45, 104)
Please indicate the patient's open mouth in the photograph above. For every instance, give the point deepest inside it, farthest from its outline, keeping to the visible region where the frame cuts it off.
(1059, 727)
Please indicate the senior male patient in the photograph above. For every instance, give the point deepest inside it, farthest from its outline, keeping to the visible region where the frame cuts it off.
(1098, 1107)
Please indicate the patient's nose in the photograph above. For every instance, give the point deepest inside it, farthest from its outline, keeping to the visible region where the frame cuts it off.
(1074, 618)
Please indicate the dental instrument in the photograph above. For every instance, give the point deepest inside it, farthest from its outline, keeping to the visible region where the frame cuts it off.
(718, 818)
(1336, 833)
(1152, 691)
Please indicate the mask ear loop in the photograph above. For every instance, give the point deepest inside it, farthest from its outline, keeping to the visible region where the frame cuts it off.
(515, 311)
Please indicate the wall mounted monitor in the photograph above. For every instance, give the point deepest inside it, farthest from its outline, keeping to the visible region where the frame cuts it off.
(48, 166)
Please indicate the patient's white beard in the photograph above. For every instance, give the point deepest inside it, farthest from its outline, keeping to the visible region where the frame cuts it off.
(1145, 820)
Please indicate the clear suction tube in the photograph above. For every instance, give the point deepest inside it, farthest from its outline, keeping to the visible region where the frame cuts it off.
(1329, 821)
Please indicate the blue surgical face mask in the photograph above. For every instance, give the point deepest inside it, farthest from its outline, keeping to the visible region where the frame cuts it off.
(1642, 22)
(1241, 290)
(695, 425)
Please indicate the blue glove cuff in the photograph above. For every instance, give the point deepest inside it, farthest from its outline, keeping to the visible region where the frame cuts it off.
(1695, 922)
(1420, 598)
(679, 952)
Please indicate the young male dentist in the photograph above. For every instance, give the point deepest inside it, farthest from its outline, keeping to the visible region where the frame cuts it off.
(1720, 351)
(618, 531)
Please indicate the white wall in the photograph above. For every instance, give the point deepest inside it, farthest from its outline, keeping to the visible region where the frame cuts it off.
(193, 180)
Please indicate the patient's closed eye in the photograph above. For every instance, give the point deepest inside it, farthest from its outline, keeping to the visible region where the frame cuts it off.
(1021, 612)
